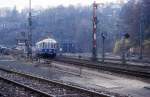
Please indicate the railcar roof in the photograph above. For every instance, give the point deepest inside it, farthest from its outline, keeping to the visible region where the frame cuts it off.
(48, 40)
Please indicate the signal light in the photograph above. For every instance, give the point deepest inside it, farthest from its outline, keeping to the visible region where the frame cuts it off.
(126, 35)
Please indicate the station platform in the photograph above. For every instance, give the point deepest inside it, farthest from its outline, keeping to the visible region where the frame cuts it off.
(99, 80)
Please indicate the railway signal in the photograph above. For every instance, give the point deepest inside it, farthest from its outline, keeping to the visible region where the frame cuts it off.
(125, 36)
(103, 35)
(95, 22)
(94, 51)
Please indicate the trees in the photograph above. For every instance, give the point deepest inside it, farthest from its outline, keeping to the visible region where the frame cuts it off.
(71, 23)
(132, 13)
(135, 14)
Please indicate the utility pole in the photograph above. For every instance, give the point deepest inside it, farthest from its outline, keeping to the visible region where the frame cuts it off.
(94, 50)
(141, 32)
(29, 41)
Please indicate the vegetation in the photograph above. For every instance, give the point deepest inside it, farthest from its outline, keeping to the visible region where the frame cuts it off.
(134, 14)
(65, 24)
(118, 46)
(74, 24)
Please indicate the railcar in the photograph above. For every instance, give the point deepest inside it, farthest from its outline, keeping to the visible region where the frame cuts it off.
(47, 48)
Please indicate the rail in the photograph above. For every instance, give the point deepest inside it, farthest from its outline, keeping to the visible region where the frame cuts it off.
(43, 94)
(114, 67)
(88, 91)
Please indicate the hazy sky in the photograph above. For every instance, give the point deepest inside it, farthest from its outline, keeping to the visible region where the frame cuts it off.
(46, 3)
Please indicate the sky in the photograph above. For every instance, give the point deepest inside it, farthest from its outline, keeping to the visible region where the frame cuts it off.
(20, 4)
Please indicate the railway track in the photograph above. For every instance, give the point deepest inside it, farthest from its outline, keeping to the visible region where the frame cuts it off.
(115, 59)
(138, 71)
(45, 87)
(131, 60)
(17, 84)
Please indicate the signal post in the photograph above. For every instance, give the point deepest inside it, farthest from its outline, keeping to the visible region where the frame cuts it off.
(94, 50)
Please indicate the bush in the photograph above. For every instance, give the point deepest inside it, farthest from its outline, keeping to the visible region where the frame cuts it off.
(118, 46)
